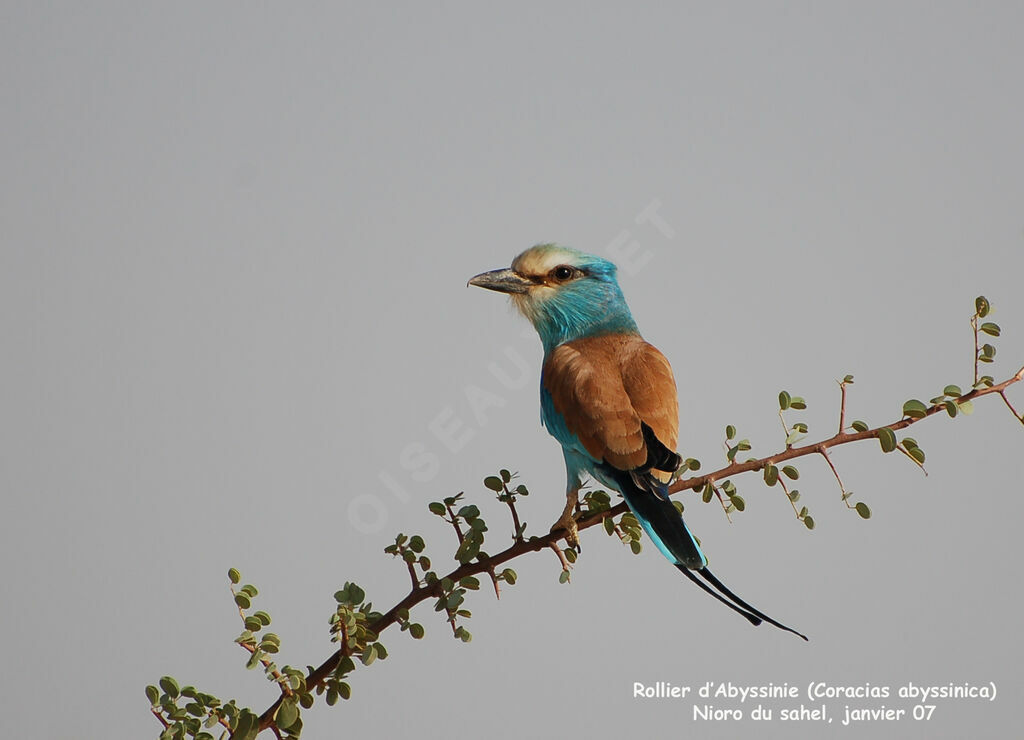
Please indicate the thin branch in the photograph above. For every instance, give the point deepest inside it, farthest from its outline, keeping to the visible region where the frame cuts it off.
(842, 407)
(412, 572)
(842, 488)
(455, 522)
(785, 490)
(160, 716)
(517, 532)
(1020, 417)
(974, 326)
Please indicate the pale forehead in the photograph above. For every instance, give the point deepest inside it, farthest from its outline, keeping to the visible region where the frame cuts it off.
(541, 260)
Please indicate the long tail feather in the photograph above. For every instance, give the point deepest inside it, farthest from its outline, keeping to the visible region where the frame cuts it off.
(746, 615)
(710, 578)
(648, 499)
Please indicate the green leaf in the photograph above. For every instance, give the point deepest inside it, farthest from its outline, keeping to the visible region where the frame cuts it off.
(791, 472)
(509, 575)
(950, 408)
(570, 554)
(887, 439)
(436, 507)
(738, 502)
(169, 686)
(234, 576)
(470, 582)
(952, 390)
(809, 522)
(563, 576)
(469, 512)
(416, 630)
(286, 715)
(494, 483)
(784, 400)
(966, 407)
(249, 590)
(467, 551)
(797, 403)
(730, 431)
(848, 379)
(153, 694)
(918, 454)
(356, 594)
(344, 690)
(505, 475)
(635, 546)
(416, 543)
(332, 696)
(863, 510)
(253, 624)
(771, 475)
(981, 306)
(609, 525)
(859, 426)
(915, 409)
(991, 329)
(368, 655)
(794, 495)
(709, 491)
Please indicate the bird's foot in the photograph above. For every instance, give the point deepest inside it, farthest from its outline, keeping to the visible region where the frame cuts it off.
(572, 532)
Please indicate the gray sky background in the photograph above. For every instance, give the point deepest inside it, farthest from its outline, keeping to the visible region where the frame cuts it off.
(235, 241)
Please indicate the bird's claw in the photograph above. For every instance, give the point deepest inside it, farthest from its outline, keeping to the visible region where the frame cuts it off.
(572, 532)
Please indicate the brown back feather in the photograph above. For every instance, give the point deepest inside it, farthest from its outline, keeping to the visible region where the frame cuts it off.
(605, 387)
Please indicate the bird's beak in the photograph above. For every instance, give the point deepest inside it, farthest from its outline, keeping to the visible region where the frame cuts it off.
(503, 281)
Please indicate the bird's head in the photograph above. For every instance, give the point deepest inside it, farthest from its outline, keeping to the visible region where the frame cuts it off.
(566, 294)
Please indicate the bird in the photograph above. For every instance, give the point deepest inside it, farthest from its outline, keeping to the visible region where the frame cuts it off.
(609, 398)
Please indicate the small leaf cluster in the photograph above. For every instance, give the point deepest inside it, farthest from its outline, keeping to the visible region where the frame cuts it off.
(771, 473)
(731, 450)
(982, 308)
(627, 527)
(949, 399)
(452, 595)
(197, 713)
(261, 645)
(410, 550)
(470, 539)
(349, 626)
(787, 401)
(499, 484)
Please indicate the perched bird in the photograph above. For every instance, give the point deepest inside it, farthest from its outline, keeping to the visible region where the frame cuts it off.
(609, 398)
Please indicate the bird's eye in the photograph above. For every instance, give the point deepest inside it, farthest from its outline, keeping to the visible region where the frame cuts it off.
(562, 272)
